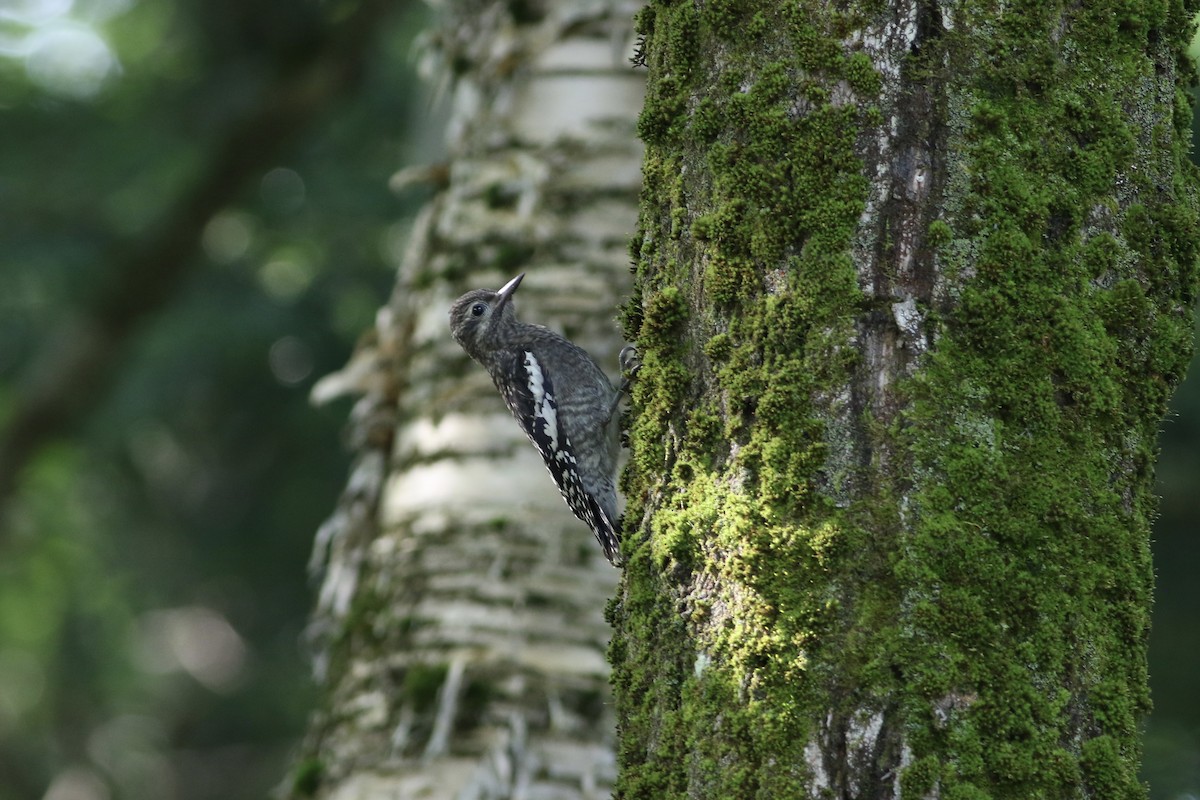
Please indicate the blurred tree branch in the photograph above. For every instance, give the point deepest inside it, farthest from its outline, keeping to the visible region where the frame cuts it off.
(73, 368)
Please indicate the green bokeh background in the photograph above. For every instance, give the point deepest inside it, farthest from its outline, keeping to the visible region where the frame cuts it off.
(153, 585)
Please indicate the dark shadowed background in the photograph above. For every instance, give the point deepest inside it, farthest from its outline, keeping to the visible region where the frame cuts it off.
(161, 471)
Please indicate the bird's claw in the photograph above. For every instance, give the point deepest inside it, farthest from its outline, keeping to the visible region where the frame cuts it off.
(630, 362)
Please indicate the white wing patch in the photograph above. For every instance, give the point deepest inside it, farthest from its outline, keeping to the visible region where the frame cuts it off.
(545, 410)
(540, 421)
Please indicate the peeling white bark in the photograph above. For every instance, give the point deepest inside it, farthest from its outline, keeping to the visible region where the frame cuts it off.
(460, 618)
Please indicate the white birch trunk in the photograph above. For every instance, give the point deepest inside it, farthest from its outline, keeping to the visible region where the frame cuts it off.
(460, 622)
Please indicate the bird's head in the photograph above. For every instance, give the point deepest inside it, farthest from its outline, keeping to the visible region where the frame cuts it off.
(477, 318)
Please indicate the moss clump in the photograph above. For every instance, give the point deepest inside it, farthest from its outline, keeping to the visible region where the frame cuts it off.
(1107, 770)
(665, 312)
(862, 75)
(422, 682)
(939, 234)
(307, 777)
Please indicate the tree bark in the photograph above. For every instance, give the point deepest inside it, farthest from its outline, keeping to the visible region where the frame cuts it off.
(459, 629)
(913, 286)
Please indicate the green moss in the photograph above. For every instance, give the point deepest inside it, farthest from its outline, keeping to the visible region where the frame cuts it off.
(1048, 371)
(725, 18)
(510, 257)
(422, 682)
(662, 111)
(940, 234)
(501, 195)
(526, 12)
(703, 227)
(862, 75)
(919, 778)
(307, 777)
(666, 311)
(474, 702)
(718, 347)
(992, 587)
(726, 280)
(768, 198)
(706, 120)
(1107, 771)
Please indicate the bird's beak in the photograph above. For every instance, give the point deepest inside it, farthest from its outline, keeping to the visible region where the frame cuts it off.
(506, 291)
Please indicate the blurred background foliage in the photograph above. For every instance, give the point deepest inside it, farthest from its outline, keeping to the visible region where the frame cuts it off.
(235, 155)
(193, 198)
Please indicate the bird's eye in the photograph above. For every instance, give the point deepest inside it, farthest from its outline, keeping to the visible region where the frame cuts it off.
(478, 309)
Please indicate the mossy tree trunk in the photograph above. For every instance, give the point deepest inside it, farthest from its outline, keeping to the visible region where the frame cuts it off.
(460, 634)
(914, 283)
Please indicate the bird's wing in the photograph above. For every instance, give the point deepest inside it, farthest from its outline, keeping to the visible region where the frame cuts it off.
(530, 398)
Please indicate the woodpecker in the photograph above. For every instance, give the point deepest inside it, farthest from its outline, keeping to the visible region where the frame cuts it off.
(563, 401)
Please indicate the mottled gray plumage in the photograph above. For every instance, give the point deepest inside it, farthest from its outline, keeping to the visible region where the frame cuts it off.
(562, 399)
